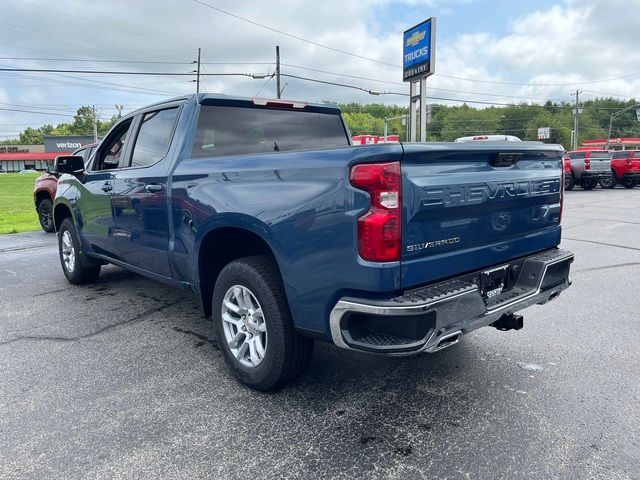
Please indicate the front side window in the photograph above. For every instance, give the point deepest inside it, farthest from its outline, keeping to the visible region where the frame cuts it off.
(153, 137)
(113, 148)
(241, 130)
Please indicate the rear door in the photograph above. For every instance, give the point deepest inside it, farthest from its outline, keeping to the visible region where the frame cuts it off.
(140, 193)
(470, 206)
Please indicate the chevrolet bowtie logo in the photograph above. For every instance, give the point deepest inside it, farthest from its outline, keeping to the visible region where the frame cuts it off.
(416, 38)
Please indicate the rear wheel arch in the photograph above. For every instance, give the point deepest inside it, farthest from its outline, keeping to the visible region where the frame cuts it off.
(221, 246)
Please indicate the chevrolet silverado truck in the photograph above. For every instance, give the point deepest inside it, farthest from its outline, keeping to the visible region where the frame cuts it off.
(625, 167)
(590, 167)
(289, 234)
(44, 191)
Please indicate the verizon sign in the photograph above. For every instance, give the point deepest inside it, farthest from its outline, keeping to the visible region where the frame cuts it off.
(65, 144)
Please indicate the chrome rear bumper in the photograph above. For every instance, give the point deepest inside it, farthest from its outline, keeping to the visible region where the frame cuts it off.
(424, 319)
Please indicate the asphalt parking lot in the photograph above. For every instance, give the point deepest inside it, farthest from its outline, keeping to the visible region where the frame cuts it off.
(122, 379)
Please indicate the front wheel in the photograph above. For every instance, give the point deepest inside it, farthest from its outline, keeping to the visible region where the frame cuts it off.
(45, 215)
(72, 259)
(588, 184)
(608, 182)
(253, 326)
(629, 182)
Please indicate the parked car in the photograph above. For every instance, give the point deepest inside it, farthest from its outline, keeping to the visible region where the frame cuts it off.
(625, 167)
(45, 190)
(488, 138)
(588, 167)
(290, 234)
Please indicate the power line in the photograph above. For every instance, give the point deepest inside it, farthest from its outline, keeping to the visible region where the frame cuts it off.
(292, 35)
(539, 84)
(91, 60)
(36, 112)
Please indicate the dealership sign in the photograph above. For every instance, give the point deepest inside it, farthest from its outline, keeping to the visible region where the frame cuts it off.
(418, 49)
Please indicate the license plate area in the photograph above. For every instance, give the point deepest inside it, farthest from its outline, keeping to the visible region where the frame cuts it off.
(495, 281)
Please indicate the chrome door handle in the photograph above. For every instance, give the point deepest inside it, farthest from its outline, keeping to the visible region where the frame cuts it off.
(153, 188)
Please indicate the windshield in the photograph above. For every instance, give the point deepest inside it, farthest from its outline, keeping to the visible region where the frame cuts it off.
(239, 130)
(600, 155)
(624, 154)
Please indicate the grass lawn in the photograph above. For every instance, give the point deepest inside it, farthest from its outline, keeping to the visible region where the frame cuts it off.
(17, 211)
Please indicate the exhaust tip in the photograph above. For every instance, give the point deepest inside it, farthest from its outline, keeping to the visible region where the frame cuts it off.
(448, 340)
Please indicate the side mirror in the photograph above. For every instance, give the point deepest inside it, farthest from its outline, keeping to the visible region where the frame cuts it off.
(72, 164)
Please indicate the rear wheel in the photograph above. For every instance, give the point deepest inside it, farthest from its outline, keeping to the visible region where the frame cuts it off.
(588, 183)
(629, 182)
(253, 326)
(45, 215)
(569, 182)
(72, 259)
(608, 182)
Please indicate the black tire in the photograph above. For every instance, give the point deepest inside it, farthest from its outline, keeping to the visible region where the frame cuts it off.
(287, 353)
(608, 182)
(588, 184)
(629, 182)
(569, 182)
(79, 272)
(45, 215)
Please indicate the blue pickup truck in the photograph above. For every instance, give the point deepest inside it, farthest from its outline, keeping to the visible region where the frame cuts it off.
(289, 234)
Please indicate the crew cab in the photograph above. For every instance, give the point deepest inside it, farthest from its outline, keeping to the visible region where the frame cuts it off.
(625, 167)
(589, 167)
(290, 234)
(45, 188)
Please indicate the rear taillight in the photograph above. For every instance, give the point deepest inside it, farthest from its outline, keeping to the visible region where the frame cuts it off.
(380, 228)
(587, 164)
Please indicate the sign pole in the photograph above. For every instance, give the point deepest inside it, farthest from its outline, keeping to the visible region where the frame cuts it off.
(423, 109)
(413, 114)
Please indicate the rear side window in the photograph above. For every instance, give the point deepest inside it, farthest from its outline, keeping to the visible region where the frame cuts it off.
(153, 137)
(239, 130)
(623, 154)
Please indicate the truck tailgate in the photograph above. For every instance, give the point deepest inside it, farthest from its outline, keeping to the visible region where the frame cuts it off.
(471, 206)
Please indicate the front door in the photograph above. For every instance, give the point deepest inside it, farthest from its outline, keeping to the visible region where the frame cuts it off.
(97, 223)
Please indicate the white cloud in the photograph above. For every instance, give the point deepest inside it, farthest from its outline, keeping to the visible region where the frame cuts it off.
(573, 41)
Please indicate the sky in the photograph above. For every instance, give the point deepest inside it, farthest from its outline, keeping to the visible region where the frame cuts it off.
(489, 52)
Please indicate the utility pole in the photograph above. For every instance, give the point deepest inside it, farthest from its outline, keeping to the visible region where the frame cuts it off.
(95, 124)
(576, 113)
(198, 73)
(278, 70)
(119, 108)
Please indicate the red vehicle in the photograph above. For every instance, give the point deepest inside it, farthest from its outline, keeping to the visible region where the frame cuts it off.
(45, 190)
(568, 178)
(625, 166)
